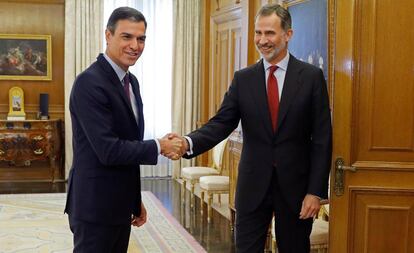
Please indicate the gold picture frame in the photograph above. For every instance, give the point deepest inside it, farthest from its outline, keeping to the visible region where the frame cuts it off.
(25, 57)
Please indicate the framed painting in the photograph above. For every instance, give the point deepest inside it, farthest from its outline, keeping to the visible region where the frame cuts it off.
(25, 57)
(310, 26)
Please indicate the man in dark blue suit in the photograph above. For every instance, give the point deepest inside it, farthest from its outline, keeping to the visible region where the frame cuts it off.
(284, 167)
(104, 197)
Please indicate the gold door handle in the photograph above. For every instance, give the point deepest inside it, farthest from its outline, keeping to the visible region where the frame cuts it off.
(339, 175)
(340, 166)
(38, 138)
(38, 151)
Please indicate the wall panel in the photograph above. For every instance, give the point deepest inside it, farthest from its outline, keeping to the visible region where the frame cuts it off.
(36, 17)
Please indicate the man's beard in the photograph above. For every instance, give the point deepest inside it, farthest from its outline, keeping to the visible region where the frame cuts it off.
(271, 55)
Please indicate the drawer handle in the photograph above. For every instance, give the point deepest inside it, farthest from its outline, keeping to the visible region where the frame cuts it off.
(38, 138)
(2, 152)
(38, 151)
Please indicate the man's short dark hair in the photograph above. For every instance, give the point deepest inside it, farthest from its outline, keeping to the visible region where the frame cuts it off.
(123, 13)
(281, 12)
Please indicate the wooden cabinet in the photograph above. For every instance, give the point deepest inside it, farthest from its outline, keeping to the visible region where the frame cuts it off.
(235, 147)
(31, 150)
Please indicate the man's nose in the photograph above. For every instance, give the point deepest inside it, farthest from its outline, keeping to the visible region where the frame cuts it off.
(134, 44)
(262, 39)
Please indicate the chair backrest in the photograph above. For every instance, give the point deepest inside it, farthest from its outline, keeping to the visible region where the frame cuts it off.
(218, 152)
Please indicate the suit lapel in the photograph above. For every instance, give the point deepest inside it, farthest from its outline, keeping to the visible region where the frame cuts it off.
(115, 81)
(290, 88)
(260, 96)
(137, 94)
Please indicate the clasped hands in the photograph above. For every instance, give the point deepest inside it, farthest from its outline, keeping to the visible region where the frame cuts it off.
(173, 146)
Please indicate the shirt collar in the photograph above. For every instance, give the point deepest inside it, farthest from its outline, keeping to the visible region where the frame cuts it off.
(282, 64)
(118, 70)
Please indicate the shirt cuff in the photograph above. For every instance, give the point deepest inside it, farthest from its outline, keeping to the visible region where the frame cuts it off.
(190, 144)
(158, 145)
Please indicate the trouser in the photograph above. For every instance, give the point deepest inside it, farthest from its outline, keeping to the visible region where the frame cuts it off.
(292, 233)
(90, 237)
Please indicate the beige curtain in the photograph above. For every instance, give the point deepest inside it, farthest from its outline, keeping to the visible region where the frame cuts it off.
(186, 71)
(83, 42)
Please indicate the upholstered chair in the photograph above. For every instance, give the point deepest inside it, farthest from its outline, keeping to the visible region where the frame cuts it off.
(211, 185)
(192, 175)
(214, 184)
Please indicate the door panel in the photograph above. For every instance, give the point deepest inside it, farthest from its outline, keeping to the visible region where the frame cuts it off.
(382, 220)
(222, 57)
(373, 121)
(226, 40)
(384, 81)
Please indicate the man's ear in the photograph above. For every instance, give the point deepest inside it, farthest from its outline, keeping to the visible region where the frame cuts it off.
(289, 34)
(107, 35)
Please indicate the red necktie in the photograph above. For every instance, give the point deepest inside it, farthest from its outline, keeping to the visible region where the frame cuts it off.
(126, 86)
(273, 96)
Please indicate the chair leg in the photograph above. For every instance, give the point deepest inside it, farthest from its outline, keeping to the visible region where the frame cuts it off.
(268, 246)
(183, 188)
(201, 201)
(192, 195)
(232, 219)
(210, 209)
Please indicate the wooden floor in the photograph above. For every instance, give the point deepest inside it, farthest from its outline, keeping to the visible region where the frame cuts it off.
(215, 237)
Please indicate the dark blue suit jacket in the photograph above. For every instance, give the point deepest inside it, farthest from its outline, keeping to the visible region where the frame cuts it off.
(300, 150)
(108, 147)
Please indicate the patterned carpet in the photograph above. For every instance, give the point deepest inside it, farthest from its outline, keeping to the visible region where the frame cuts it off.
(36, 223)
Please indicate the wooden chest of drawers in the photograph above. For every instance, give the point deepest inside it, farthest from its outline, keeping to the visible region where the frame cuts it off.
(31, 150)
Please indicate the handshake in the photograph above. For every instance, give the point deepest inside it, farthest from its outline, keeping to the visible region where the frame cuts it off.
(173, 146)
